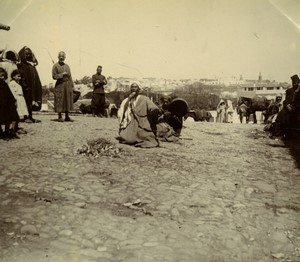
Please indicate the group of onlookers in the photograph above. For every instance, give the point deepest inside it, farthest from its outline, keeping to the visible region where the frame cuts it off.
(285, 120)
(20, 91)
(141, 120)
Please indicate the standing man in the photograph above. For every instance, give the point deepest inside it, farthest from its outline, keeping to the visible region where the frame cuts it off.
(98, 100)
(286, 121)
(63, 92)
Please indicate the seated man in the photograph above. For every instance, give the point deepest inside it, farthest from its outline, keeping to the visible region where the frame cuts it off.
(137, 120)
(272, 109)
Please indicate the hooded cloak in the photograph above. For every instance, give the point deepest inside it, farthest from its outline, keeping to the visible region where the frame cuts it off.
(31, 82)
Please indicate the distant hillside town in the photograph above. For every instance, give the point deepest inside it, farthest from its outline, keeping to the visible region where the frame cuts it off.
(223, 87)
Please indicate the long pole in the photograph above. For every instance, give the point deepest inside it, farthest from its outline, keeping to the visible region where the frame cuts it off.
(49, 55)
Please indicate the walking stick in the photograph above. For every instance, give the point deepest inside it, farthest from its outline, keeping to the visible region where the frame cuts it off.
(49, 55)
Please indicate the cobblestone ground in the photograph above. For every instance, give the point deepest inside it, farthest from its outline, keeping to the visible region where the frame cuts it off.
(224, 192)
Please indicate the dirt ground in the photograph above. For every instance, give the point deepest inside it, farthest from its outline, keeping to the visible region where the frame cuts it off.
(224, 192)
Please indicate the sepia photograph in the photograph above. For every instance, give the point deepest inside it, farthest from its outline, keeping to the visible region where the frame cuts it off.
(149, 130)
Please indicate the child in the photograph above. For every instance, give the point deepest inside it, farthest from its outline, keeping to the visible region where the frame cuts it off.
(17, 92)
(8, 111)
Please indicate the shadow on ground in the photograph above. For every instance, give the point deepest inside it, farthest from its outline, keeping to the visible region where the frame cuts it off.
(294, 147)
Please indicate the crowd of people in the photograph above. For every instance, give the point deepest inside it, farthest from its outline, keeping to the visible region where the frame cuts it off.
(21, 91)
(284, 120)
(141, 121)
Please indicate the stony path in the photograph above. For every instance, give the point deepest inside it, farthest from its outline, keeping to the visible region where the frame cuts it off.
(224, 192)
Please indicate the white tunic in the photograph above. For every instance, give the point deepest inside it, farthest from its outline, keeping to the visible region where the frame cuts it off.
(17, 91)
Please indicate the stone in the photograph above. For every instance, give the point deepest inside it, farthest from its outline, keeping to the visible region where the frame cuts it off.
(133, 207)
(5, 202)
(87, 243)
(279, 237)
(217, 214)
(89, 232)
(150, 244)
(5, 172)
(72, 195)
(77, 238)
(11, 220)
(131, 242)
(66, 232)
(95, 199)
(29, 230)
(101, 249)
(80, 204)
(278, 255)
(249, 191)
(44, 235)
(63, 245)
(91, 253)
(175, 212)
(238, 206)
(199, 222)
(57, 156)
(19, 185)
(131, 247)
(58, 188)
(137, 202)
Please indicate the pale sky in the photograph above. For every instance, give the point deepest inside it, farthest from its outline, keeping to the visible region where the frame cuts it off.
(158, 38)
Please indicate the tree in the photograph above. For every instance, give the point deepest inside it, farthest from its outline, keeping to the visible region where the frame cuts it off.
(199, 96)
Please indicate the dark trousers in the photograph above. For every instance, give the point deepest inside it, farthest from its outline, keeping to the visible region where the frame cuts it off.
(98, 103)
(286, 123)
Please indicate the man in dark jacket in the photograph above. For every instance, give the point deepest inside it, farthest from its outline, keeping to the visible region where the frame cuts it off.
(287, 120)
(98, 99)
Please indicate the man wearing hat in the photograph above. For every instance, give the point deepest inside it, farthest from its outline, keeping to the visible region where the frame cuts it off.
(286, 122)
(98, 100)
(291, 93)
